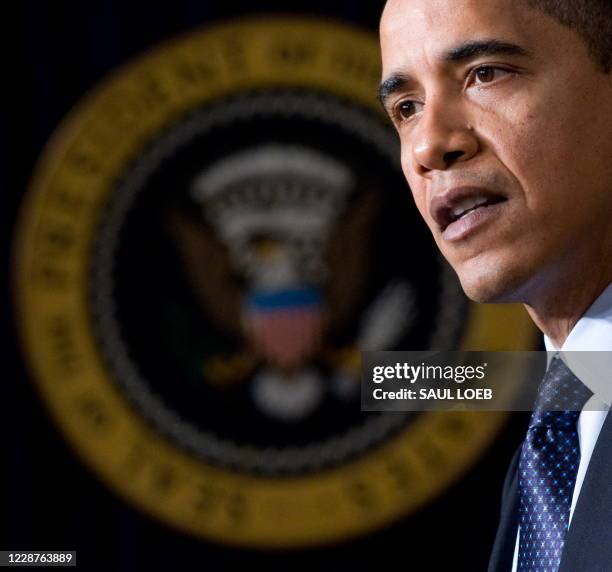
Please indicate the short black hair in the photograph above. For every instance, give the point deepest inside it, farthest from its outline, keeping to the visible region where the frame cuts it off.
(592, 19)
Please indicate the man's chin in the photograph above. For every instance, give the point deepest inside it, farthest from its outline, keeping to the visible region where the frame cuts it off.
(491, 287)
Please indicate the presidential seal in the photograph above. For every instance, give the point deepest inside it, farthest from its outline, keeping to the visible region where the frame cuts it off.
(210, 240)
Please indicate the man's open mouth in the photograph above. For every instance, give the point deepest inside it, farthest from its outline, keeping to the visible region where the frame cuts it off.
(458, 202)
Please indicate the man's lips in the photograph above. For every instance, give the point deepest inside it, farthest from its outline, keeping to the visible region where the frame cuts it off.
(456, 203)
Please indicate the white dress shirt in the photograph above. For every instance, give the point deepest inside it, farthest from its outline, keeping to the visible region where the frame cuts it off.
(592, 332)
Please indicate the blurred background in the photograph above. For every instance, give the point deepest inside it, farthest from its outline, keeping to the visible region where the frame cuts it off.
(206, 225)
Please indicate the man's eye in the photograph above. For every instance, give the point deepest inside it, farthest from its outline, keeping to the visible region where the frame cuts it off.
(488, 74)
(405, 109)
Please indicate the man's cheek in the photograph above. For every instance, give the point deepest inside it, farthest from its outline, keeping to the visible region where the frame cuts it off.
(417, 188)
(419, 196)
(406, 163)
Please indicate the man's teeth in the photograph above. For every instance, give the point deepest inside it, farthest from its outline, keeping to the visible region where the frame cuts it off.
(467, 204)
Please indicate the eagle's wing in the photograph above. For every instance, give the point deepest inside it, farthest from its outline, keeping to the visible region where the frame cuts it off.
(207, 266)
(349, 260)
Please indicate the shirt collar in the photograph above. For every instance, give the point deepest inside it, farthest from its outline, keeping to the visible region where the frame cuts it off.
(587, 351)
(593, 331)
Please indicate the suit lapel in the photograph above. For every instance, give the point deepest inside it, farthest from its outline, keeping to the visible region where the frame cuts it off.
(505, 540)
(588, 547)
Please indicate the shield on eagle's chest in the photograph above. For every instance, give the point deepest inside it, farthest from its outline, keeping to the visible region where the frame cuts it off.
(285, 325)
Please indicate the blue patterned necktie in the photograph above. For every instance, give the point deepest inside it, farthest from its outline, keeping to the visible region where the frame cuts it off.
(547, 468)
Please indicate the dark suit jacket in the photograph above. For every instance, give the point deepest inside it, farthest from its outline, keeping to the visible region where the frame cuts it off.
(588, 546)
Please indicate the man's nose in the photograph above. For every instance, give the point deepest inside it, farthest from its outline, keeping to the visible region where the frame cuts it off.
(443, 137)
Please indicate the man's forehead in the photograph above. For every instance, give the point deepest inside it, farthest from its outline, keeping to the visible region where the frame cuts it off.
(427, 28)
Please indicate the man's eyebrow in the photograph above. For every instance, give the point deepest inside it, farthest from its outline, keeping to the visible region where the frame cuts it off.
(477, 48)
(465, 51)
(395, 82)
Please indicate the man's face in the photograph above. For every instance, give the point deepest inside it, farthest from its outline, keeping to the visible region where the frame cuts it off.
(505, 124)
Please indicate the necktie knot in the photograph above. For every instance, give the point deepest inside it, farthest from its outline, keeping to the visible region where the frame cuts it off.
(561, 397)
